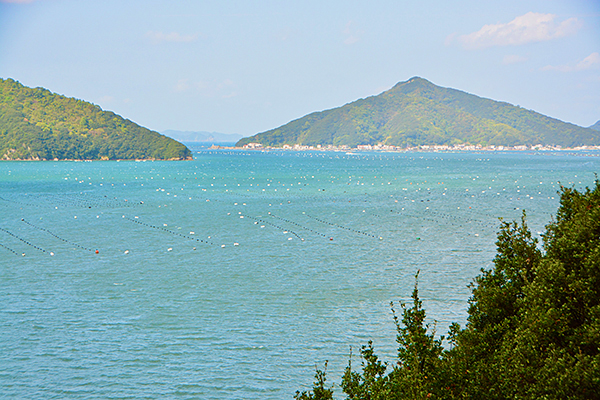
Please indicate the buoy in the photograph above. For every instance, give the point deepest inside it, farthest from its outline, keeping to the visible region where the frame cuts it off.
(330, 238)
(97, 252)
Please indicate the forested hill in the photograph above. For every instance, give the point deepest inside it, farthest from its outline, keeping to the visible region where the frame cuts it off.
(36, 124)
(417, 112)
(596, 126)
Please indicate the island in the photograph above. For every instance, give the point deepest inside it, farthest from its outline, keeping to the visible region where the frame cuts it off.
(36, 124)
(418, 113)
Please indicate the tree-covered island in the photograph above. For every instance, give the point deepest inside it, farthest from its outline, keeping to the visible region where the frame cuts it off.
(419, 113)
(36, 124)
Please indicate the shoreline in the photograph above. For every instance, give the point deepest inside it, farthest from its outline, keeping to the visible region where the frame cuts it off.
(352, 151)
(98, 159)
(398, 149)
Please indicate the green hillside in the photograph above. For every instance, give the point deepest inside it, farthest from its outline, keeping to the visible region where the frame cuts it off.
(596, 126)
(417, 112)
(36, 124)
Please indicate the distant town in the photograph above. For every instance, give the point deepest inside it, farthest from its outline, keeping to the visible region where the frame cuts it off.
(427, 148)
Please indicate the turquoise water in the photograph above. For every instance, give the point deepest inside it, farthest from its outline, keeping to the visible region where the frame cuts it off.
(231, 276)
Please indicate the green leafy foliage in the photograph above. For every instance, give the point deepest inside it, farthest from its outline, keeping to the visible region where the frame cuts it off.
(417, 112)
(372, 383)
(36, 124)
(533, 330)
(319, 392)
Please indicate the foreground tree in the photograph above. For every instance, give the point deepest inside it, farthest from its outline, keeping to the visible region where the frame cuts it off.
(319, 392)
(475, 362)
(555, 349)
(533, 330)
(414, 375)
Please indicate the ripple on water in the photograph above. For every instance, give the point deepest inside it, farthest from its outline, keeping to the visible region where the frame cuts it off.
(249, 320)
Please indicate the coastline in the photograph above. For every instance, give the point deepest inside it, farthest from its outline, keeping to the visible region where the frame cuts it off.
(398, 149)
(98, 159)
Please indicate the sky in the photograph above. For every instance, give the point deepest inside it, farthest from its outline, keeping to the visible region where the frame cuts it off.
(243, 67)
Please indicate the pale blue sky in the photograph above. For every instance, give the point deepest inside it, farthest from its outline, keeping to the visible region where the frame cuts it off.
(249, 66)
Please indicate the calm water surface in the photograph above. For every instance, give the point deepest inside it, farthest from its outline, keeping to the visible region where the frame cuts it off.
(231, 276)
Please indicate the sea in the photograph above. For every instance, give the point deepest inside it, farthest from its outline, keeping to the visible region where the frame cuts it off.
(235, 275)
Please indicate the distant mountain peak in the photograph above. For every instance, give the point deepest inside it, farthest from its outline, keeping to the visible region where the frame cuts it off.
(418, 80)
(202, 136)
(596, 126)
(415, 81)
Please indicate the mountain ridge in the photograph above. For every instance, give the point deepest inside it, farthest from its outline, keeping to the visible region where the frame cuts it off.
(201, 136)
(417, 112)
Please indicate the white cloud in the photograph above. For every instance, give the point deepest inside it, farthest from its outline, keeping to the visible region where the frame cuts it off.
(351, 33)
(182, 85)
(528, 28)
(590, 62)
(513, 59)
(450, 39)
(160, 37)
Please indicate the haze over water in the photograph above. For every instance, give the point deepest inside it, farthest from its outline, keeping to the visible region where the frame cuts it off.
(232, 275)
